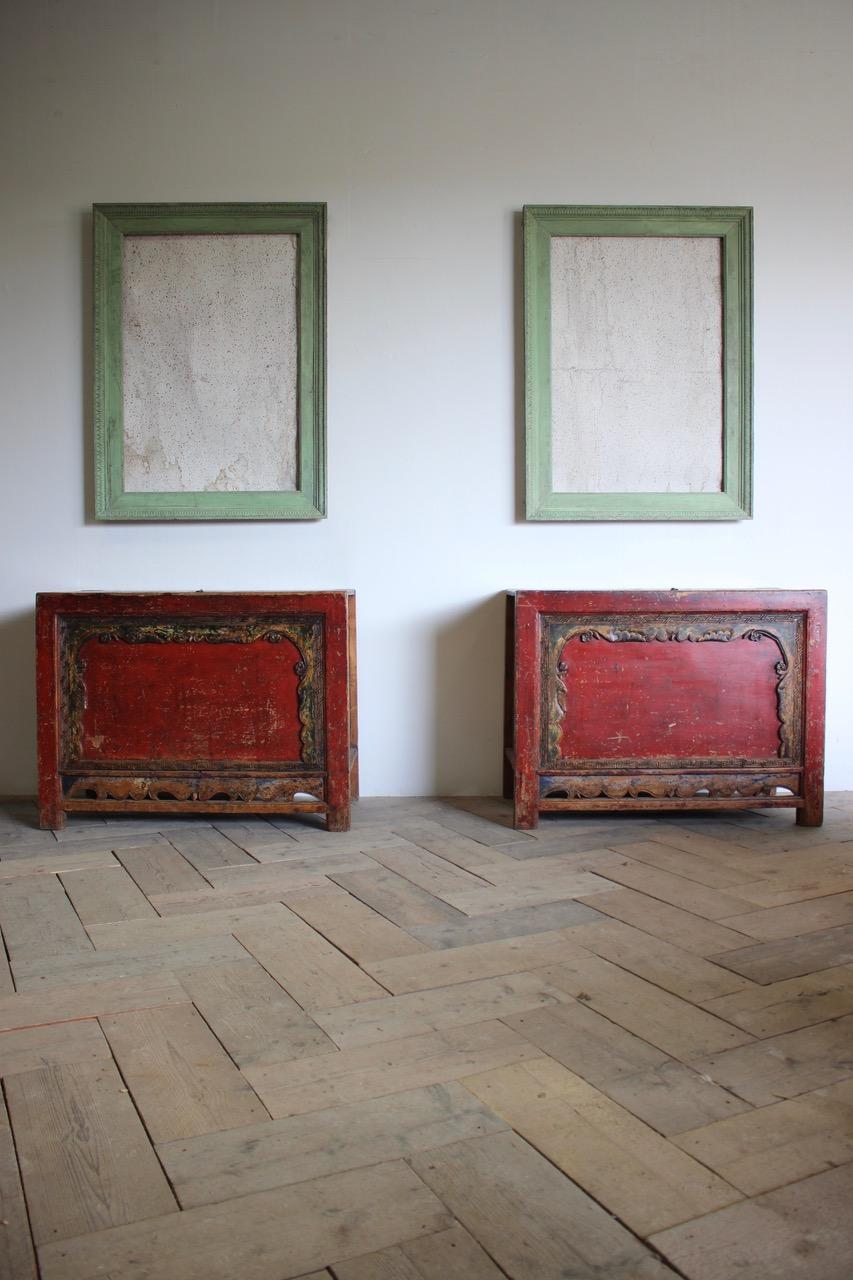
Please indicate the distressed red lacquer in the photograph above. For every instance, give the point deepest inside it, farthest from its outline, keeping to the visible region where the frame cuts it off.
(151, 703)
(651, 700)
(669, 700)
(197, 704)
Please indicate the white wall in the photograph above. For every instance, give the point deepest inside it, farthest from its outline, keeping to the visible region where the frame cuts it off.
(426, 125)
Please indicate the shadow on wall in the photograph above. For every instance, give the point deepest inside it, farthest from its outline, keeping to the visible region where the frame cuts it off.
(468, 729)
(18, 703)
(518, 353)
(87, 355)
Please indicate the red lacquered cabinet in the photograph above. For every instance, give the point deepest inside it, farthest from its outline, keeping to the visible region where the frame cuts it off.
(197, 703)
(665, 700)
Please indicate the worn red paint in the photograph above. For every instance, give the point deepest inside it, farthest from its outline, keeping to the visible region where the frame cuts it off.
(665, 699)
(210, 702)
(720, 700)
(194, 704)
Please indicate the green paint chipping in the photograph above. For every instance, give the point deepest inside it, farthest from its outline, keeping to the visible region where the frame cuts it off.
(307, 222)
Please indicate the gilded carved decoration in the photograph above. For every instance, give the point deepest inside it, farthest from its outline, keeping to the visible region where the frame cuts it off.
(784, 631)
(305, 634)
(201, 789)
(666, 786)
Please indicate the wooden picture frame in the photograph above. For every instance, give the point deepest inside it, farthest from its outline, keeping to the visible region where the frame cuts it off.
(696, 313)
(210, 330)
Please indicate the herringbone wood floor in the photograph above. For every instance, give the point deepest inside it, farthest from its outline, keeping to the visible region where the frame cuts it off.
(430, 1048)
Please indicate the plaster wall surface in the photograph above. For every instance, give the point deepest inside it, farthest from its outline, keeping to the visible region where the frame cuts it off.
(426, 127)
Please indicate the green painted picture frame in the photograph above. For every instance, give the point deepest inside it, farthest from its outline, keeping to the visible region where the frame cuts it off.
(732, 226)
(307, 224)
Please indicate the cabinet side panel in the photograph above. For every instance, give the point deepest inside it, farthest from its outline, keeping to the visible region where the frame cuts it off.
(48, 713)
(814, 713)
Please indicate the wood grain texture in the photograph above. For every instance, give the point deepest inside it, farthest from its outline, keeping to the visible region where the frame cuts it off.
(277, 1153)
(781, 1143)
(257, 836)
(799, 1232)
(665, 1020)
(664, 1093)
(204, 900)
(535, 1224)
(105, 895)
(205, 850)
(139, 934)
(601, 1146)
(456, 849)
(680, 972)
(309, 968)
(375, 1070)
(426, 869)
(681, 928)
(687, 895)
(307, 870)
(60, 857)
(493, 900)
(786, 1065)
(661, 853)
(797, 918)
(396, 898)
(85, 1158)
(564, 1078)
(7, 986)
(44, 973)
(37, 920)
(777, 1007)
(17, 1256)
(395, 1017)
(48, 1046)
(588, 1043)
(159, 868)
(89, 1000)
(351, 926)
(290, 1229)
(182, 1080)
(513, 923)
(673, 1097)
(483, 960)
(792, 957)
(445, 1255)
(449, 1252)
(254, 1019)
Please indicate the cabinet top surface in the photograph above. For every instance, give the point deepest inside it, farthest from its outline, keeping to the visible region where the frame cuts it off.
(674, 600)
(142, 597)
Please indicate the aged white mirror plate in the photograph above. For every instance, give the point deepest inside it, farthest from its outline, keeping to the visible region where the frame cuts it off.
(210, 363)
(636, 364)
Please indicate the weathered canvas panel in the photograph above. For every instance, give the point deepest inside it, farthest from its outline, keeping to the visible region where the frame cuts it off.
(636, 355)
(210, 360)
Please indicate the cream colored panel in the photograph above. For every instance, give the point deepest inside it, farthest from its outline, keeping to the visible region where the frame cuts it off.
(210, 363)
(636, 357)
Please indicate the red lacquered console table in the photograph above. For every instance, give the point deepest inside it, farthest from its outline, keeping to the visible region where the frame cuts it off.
(665, 700)
(202, 703)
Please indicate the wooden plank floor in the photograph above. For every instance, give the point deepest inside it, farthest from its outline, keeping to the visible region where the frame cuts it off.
(429, 1048)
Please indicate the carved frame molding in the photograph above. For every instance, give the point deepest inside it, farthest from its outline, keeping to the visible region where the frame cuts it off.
(305, 634)
(784, 631)
(201, 788)
(665, 786)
